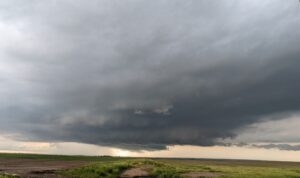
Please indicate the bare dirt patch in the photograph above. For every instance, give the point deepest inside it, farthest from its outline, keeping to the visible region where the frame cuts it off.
(201, 174)
(36, 168)
(137, 172)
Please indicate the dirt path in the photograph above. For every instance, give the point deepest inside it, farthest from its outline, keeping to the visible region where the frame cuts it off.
(36, 168)
(137, 172)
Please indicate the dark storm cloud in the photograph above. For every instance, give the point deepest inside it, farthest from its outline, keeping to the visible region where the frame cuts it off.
(141, 74)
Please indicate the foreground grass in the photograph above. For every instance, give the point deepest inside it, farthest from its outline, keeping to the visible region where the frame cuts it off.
(8, 176)
(107, 169)
(175, 169)
(112, 167)
(239, 169)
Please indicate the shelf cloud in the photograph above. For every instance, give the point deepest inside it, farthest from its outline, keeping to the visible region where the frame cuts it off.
(145, 74)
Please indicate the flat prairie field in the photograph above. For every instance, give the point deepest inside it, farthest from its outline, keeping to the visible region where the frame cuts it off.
(59, 166)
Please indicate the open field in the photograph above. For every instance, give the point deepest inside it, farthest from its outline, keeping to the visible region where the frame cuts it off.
(30, 165)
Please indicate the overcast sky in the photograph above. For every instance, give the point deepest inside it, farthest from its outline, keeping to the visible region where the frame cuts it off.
(144, 75)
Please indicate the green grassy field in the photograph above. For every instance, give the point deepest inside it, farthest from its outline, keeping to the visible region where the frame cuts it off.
(111, 167)
(172, 168)
(8, 176)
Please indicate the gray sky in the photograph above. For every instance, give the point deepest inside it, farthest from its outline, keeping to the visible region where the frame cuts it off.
(147, 74)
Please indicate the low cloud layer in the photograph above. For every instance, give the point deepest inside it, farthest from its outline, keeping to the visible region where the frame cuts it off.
(143, 75)
(287, 147)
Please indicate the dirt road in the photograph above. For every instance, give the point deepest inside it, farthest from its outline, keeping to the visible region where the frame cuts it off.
(35, 168)
(137, 172)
